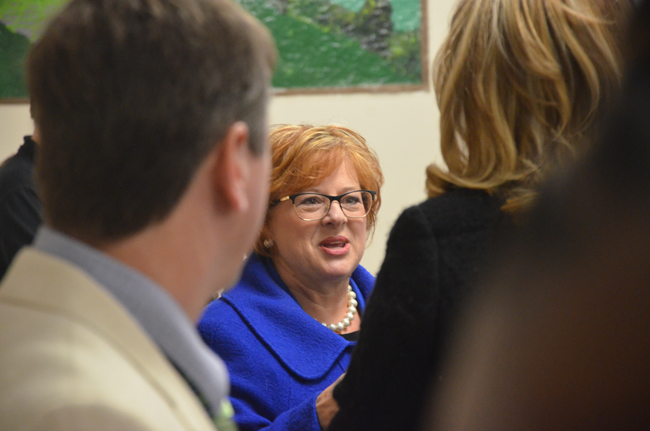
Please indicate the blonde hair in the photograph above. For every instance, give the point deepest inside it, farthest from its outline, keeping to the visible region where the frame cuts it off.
(519, 84)
(304, 155)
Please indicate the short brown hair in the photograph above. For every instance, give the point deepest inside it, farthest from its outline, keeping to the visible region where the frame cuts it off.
(131, 96)
(304, 155)
(520, 85)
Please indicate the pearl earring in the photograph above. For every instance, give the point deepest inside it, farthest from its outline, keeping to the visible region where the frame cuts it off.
(268, 243)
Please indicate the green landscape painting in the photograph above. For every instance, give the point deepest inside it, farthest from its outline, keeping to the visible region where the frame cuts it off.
(21, 22)
(344, 43)
(323, 44)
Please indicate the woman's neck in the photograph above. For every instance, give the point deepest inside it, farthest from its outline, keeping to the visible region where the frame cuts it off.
(324, 300)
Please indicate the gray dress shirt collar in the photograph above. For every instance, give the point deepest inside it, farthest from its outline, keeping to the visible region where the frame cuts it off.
(159, 315)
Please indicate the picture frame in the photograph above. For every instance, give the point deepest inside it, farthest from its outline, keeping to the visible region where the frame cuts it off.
(324, 46)
(342, 46)
(21, 22)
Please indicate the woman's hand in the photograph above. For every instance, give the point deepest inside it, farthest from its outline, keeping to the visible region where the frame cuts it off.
(326, 405)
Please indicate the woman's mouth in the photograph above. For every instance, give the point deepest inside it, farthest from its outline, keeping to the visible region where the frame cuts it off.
(335, 246)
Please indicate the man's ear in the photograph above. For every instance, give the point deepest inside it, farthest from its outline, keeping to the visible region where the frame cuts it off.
(232, 169)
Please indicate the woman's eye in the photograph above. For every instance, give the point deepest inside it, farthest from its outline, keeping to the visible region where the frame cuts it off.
(351, 200)
(311, 200)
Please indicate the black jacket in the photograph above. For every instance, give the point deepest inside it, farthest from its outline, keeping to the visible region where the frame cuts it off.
(433, 254)
(20, 207)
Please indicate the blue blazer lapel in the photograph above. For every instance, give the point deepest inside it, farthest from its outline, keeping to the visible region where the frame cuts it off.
(300, 342)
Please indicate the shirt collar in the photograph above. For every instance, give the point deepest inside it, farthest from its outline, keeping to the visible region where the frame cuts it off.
(156, 311)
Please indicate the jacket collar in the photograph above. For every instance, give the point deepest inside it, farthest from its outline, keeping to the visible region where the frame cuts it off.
(28, 149)
(42, 281)
(299, 341)
(159, 315)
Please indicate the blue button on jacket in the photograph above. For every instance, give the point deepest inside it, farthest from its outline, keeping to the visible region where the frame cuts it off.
(279, 358)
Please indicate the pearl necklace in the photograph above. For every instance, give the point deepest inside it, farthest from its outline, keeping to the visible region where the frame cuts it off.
(349, 316)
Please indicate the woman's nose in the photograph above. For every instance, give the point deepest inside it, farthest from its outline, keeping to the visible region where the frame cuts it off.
(335, 214)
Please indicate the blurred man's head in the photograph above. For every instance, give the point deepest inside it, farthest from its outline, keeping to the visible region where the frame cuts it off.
(130, 98)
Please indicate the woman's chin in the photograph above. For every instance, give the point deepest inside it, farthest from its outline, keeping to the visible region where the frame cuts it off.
(339, 269)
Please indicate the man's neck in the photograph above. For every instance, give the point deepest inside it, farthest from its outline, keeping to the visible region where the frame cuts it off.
(173, 264)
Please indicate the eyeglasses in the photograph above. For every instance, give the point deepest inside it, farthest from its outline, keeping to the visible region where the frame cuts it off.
(315, 206)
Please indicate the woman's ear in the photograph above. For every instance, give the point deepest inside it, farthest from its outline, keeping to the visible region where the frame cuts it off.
(232, 169)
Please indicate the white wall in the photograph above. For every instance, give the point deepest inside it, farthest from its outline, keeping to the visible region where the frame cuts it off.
(401, 127)
(14, 124)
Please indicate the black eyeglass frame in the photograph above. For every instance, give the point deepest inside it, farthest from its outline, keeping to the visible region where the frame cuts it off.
(329, 206)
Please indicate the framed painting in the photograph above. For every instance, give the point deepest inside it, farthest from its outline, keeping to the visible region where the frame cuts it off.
(346, 45)
(324, 45)
(21, 21)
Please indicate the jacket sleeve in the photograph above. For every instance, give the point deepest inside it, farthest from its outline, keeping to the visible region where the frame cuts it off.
(302, 417)
(20, 217)
(396, 330)
(85, 417)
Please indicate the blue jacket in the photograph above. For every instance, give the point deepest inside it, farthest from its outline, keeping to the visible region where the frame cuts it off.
(279, 358)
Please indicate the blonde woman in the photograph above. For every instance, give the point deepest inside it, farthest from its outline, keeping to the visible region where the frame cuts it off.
(521, 85)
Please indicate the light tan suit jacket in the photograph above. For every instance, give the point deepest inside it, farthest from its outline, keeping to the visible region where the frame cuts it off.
(72, 358)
